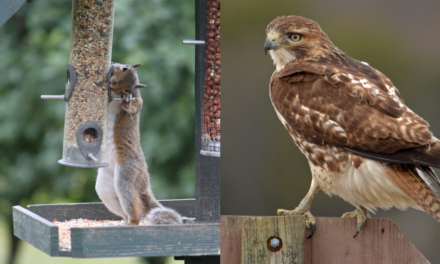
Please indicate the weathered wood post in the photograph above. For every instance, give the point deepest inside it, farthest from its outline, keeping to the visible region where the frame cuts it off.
(246, 239)
(271, 240)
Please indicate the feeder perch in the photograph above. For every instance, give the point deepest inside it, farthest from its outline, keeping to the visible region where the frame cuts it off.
(87, 95)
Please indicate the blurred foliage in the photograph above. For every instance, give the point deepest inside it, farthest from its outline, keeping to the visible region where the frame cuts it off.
(34, 48)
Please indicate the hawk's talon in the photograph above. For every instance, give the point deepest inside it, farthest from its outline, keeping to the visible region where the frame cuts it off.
(360, 225)
(361, 214)
(310, 219)
(312, 227)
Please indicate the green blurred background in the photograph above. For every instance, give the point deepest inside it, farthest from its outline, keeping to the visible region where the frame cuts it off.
(262, 169)
(34, 52)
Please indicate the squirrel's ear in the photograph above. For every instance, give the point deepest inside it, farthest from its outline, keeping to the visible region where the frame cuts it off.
(136, 65)
(140, 86)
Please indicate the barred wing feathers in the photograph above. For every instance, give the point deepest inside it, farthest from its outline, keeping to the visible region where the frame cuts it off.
(345, 103)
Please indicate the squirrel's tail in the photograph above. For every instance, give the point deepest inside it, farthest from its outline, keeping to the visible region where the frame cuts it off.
(164, 216)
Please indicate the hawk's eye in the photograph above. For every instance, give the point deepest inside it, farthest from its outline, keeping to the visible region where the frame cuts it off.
(124, 69)
(296, 37)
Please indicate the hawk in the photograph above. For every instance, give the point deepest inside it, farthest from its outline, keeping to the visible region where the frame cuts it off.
(362, 142)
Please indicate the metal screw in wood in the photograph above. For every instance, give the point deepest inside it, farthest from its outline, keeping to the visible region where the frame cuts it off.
(274, 244)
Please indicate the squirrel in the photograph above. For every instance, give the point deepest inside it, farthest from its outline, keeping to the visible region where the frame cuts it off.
(124, 186)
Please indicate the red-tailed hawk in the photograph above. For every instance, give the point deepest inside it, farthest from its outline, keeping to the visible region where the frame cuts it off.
(362, 143)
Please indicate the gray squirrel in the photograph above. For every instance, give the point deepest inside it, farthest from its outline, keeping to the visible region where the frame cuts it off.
(124, 186)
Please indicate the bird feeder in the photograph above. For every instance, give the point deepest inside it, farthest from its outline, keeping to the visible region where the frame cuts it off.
(211, 83)
(87, 101)
(86, 94)
(207, 112)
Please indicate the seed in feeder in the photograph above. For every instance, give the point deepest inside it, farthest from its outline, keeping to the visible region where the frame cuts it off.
(211, 87)
(90, 135)
(90, 59)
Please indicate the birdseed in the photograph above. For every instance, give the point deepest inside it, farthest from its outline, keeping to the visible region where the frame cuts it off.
(65, 243)
(90, 56)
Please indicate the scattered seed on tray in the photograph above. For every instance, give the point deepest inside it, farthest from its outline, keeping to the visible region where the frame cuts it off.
(64, 228)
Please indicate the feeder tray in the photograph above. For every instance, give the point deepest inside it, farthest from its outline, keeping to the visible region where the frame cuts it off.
(34, 225)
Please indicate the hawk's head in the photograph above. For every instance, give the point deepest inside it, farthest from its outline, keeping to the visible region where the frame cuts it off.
(296, 38)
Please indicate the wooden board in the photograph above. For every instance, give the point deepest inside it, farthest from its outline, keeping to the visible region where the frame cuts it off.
(379, 242)
(132, 241)
(36, 230)
(258, 230)
(230, 238)
(34, 226)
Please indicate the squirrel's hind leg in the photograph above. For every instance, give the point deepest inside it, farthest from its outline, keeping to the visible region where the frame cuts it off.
(129, 197)
(134, 216)
(132, 206)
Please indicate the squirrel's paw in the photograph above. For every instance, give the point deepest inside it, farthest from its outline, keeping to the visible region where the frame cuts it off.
(164, 216)
(131, 107)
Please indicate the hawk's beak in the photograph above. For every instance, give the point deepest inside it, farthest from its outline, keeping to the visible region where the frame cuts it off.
(269, 45)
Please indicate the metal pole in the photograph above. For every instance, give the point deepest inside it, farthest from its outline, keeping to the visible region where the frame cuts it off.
(193, 42)
(207, 167)
(53, 97)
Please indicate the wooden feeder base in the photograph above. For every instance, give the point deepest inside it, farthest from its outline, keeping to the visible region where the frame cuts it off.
(34, 225)
(380, 241)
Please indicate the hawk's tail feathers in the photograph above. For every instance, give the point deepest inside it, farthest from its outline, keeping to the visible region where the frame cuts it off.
(428, 155)
(419, 185)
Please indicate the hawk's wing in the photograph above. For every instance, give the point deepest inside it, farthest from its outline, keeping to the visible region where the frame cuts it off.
(345, 103)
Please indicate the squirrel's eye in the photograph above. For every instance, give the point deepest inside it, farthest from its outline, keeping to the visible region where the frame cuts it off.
(124, 69)
(296, 37)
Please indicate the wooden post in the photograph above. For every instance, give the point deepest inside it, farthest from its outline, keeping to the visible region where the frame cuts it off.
(259, 232)
(379, 242)
(230, 238)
